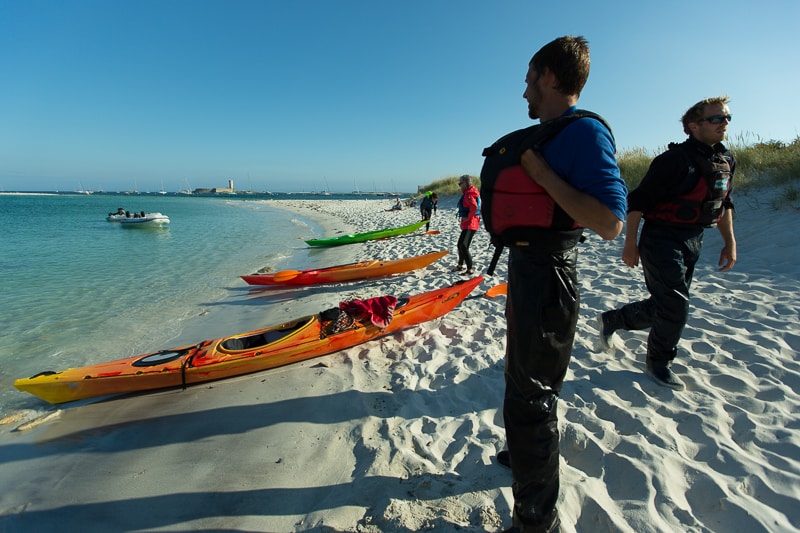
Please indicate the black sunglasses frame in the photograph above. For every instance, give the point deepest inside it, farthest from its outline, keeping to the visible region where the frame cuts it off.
(717, 119)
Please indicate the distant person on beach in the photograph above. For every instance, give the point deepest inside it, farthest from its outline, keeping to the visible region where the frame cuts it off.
(469, 215)
(397, 206)
(686, 189)
(428, 206)
(577, 170)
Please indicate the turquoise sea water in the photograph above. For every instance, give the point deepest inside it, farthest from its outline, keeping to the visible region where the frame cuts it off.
(78, 290)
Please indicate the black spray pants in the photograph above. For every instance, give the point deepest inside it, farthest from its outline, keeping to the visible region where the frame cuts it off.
(426, 215)
(668, 255)
(542, 313)
(464, 241)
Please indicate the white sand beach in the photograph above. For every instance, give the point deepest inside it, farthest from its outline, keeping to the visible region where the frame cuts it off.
(400, 434)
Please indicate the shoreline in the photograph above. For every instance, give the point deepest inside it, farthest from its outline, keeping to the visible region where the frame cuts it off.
(246, 308)
(400, 434)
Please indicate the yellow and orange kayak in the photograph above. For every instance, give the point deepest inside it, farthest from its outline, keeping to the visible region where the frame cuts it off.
(262, 349)
(349, 272)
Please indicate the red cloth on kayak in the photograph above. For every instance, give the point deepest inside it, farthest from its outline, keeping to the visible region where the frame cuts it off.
(379, 310)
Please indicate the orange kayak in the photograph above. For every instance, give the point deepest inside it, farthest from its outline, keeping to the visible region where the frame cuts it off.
(498, 290)
(350, 272)
(297, 340)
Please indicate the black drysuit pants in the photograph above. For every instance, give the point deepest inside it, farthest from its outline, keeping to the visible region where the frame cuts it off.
(542, 314)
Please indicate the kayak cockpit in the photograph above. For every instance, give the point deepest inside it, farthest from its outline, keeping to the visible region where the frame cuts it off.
(264, 338)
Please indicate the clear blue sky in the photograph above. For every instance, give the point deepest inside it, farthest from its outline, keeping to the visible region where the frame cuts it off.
(379, 95)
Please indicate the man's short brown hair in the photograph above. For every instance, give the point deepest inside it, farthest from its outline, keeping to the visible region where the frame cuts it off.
(568, 58)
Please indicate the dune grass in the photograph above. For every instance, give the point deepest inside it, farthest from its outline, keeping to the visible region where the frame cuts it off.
(758, 164)
(448, 186)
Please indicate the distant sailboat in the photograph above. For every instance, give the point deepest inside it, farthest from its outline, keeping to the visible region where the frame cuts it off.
(186, 189)
(161, 190)
(135, 189)
(249, 187)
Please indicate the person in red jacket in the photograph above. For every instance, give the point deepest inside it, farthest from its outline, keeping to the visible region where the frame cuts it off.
(469, 212)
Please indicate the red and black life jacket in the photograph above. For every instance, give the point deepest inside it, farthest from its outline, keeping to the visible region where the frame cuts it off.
(702, 194)
(515, 208)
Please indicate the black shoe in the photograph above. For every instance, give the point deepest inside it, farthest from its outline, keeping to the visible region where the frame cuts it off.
(664, 376)
(554, 527)
(504, 458)
(605, 330)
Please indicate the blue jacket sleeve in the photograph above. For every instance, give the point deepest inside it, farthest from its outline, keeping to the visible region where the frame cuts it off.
(583, 154)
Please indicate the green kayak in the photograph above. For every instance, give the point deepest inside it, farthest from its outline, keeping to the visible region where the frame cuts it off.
(368, 236)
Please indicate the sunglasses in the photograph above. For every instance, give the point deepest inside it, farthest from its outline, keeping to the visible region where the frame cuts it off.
(716, 119)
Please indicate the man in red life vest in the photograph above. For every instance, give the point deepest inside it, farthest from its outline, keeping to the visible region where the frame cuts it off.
(577, 169)
(686, 189)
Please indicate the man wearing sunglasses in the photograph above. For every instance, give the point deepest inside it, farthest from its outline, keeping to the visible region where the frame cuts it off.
(686, 189)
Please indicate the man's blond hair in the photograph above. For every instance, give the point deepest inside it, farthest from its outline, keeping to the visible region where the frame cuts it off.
(698, 110)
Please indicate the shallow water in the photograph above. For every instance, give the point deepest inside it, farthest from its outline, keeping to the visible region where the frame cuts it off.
(78, 290)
